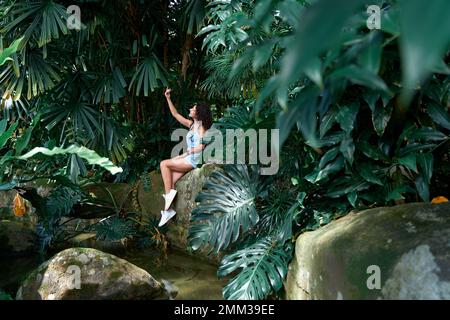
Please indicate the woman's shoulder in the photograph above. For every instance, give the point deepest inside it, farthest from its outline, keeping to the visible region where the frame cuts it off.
(201, 130)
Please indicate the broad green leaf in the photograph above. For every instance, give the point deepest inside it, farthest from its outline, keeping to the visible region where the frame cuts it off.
(8, 52)
(425, 37)
(346, 185)
(262, 55)
(385, 98)
(370, 151)
(7, 134)
(318, 31)
(380, 118)
(367, 172)
(302, 110)
(425, 161)
(347, 149)
(422, 188)
(290, 11)
(271, 85)
(91, 156)
(314, 72)
(328, 156)
(208, 29)
(359, 76)
(395, 194)
(439, 115)
(414, 147)
(441, 67)
(370, 57)
(332, 167)
(371, 97)
(331, 139)
(352, 197)
(346, 117)
(312, 177)
(426, 134)
(328, 120)
(22, 142)
(390, 21)
(3, 124)
(409, 161)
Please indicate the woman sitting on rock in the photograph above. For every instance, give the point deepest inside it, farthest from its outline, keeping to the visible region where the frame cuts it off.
(173, 169)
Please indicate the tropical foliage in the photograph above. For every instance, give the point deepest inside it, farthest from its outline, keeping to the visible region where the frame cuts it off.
(371, 107)
(363, 113)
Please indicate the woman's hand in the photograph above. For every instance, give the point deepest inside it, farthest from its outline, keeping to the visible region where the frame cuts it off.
(167, 93)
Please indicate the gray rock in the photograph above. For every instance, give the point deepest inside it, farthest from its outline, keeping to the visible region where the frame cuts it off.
(187, 187)
(16, 239)
(89, 274)
(400, 252)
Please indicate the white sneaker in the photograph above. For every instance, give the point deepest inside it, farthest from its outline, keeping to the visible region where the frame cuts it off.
(169, 198)
(166, 216)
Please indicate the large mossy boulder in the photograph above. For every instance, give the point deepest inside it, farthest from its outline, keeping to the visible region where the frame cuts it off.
(101, 276)
(188, 187)
(402, 252)
(16, 239)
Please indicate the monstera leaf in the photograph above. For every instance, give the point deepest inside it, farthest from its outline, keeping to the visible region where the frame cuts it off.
(264, 265)
(227, 208)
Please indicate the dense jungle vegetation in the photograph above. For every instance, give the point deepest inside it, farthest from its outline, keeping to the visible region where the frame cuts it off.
(363, 113)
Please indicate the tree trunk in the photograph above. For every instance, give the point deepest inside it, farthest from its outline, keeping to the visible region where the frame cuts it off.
(185, 62)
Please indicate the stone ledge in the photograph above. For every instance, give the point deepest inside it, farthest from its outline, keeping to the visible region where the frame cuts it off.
(408, 243)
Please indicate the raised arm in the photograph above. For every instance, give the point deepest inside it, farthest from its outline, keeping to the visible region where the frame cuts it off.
(174, 112)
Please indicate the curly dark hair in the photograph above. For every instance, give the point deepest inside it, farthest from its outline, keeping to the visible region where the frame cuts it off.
(203, 112)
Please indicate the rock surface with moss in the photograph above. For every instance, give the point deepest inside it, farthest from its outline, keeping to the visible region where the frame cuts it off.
(101, 275)
(16, 239)
(407, 246)
(152, 202)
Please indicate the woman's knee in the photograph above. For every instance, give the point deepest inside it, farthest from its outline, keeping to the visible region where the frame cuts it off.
(163, 164)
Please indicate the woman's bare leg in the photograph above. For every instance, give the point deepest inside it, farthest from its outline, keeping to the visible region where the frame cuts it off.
(175, 177)
(172, 170)
(166, 175)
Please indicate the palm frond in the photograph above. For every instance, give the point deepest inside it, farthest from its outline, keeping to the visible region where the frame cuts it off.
(43, 20)
(194, 15)
(36, 74)
(77, 117)
(112, 139)
(110, 88)
(150, 74)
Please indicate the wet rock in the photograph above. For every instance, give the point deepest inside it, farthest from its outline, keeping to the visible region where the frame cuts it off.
(16, 239)
(188, 187)
(383, 253)
(170, 288)
(89, 274)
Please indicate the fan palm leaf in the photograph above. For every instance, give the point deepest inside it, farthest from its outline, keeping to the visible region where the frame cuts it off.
(150, 74)
(44, 20)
